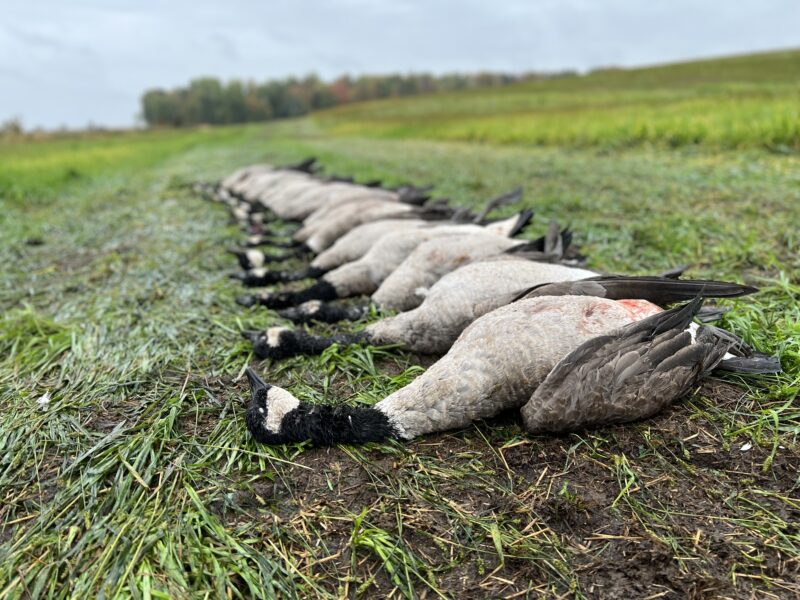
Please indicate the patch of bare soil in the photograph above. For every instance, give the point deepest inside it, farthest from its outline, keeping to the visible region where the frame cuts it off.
(666, 508)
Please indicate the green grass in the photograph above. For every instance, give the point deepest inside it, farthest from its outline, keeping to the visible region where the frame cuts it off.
(137, 478)
(748, 101)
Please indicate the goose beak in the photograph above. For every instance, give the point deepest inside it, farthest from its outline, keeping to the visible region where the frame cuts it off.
(248, 300)
(241, 256)
(253, 336)
(256, 383)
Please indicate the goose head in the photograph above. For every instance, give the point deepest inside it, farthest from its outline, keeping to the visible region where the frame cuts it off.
(275, 342)
(267, 410)
(275, 416)
(248, 259)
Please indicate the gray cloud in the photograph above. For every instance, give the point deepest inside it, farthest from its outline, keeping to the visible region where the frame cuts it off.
(89, 60)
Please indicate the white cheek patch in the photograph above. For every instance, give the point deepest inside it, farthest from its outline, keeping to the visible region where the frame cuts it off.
(255, 257)
(311, 307)
(279, 404)
(258, 272)
(274, 336)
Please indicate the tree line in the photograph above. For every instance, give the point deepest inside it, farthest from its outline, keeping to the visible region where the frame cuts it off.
(207, 100)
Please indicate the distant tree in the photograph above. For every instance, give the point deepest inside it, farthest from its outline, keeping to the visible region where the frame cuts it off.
(235, 103)
(11, 127)
(207, 100)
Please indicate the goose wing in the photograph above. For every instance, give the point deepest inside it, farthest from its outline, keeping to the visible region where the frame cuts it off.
(658, 290)
(627, 375)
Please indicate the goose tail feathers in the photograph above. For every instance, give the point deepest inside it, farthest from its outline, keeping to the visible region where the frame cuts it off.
(511, 197)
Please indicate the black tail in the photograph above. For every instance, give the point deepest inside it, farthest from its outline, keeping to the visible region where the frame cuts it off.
(523, 220)
(746, 359)
(304, 166)
(658, 290)
(550, 246)
(414, 195)
(514, 195)
(756, 364)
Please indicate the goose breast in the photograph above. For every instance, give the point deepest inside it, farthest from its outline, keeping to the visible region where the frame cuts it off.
(499, 360)
(460, 297)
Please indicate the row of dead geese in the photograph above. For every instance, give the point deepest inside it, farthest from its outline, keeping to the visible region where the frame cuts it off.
(518, 322)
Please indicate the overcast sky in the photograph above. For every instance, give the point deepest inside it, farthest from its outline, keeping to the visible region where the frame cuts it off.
(71, 62)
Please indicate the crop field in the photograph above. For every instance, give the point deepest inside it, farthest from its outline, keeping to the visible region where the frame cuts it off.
(747, 101)
(125, 466)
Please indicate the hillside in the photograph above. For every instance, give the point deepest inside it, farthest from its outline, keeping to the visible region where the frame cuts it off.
(743, 101)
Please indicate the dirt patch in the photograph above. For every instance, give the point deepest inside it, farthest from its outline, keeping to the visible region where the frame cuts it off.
(679, 529)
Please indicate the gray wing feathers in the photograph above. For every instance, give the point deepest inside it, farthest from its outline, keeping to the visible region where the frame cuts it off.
(627, 375)
(659, 290)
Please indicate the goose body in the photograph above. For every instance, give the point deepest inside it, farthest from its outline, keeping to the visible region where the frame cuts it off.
(271, 192)
(333, 205)
(254, 187)
(244, 173)
(447, 309)
(365, 275)
(305, 204)
(403, 289)
(320, 235)
(462, 296)
(323, 228)
(499, 360)
(357, 242)
(568, 361)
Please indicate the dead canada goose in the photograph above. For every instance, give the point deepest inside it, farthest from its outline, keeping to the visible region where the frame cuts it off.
(324, 211)
(243, 181)
(350, 247)
(405, 287)
(319, 233)
(568, 362)
(475, 290)
(315, 204)
(322, 234)
(365, 275)
(357, 242)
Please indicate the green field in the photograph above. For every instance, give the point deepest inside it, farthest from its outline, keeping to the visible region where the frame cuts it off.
(748, 101)
(138, 479)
